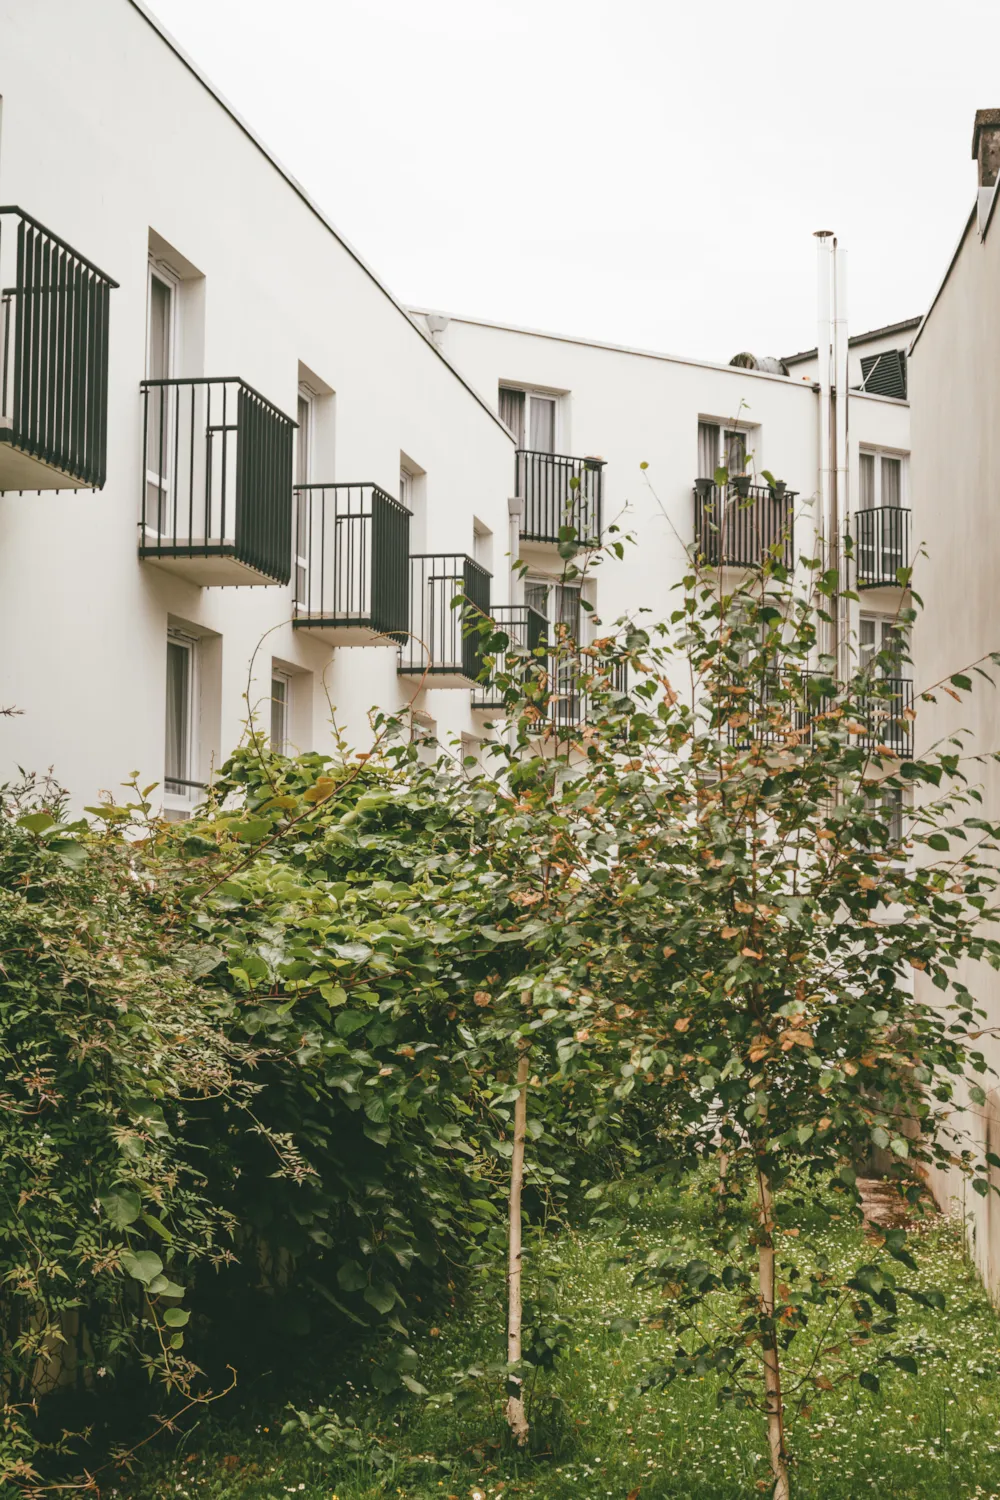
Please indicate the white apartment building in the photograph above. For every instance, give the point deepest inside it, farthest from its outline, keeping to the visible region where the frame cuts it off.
(572, 403)
(235, 471)
(955, 372)
(155, 565)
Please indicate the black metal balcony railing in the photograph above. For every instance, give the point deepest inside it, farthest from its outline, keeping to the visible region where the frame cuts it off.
(739, 531)
(217, 481)
(572, 691)
(352, 569)
(439, 642)
(525, 630)
(54, 307)
(884, 717)
(881, 545)
(551, 499)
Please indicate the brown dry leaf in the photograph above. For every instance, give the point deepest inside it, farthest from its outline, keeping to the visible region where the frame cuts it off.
(743, 906)
(917, 963)
(823, 1383)
(682, 1024)
(867, 883)
(481, 998)
(825, 833)
(850, 1068)
(796, 1038)
(750, 953)
(669, 952)
(730, 932)
(583, 1035)
(825, 1123)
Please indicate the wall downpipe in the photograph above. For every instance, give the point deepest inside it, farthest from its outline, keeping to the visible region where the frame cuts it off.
(841, 507)
(824, 350)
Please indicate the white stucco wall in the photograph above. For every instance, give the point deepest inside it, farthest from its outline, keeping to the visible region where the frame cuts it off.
(631, 407)
(955, 389)
(107, 135)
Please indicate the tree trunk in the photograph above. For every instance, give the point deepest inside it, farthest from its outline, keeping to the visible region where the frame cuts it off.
(516, 1418)
(774, 1407)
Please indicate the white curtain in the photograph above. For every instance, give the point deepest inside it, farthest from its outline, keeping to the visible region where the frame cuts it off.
(891, 474)
(708, 450)
(178, 723)
(512, 412)
(736, 453)
(866, 476)
(543, 424)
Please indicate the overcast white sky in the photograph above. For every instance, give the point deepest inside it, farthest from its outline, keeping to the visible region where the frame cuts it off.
(644, 171)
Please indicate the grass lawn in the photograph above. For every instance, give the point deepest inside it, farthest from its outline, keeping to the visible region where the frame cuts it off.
(926, 1437)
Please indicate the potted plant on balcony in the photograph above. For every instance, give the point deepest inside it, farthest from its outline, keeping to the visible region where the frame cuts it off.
(776, 486)
(704, 487)
(741, 484)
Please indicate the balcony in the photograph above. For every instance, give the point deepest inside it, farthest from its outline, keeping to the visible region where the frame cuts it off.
(352, 568)
(882, 719)
(54, 308)
(525, 630)
(573, 688)
(558, 491)
(739, 526)
(440, 644)
(882, 546)
(217, 492)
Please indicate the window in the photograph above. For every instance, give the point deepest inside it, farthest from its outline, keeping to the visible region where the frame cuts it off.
(736, 452)
(733, 454)
(533, 411)
(876, 633)
(406, 488)
(880, 479)
(542, 437)
(512, 412)
(708, 450)
(557, 603)
(281, 696)
(161, 307)
(178, 778)
(303, 475)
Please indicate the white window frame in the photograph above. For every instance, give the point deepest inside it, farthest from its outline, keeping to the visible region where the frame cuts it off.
(279, 674)
(184, 800)
(885, 625)
(725, 430)
(406, 478)
(530, 393)
(904, 477)
(158, 270)
(306, 434)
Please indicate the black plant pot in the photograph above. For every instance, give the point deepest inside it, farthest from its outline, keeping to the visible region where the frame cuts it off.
(778, 490)
(741, 484)
(704, 487)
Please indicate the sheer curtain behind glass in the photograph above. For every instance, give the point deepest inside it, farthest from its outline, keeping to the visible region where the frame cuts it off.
(543, 424)
(866, 478)
(891, 481)
(178, 737)
(708, 450)
(736, 453)
(158, 360)
(279, 714)
(512, 412)
(303, 442)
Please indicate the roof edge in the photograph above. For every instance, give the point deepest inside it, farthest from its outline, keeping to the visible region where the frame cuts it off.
(858, 338)
(157, 25)
(973, 213)
(574, 338)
